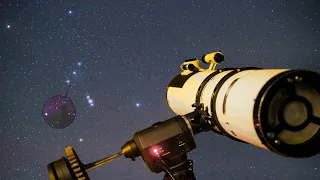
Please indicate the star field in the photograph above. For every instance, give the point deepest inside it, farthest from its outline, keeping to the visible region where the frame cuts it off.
(118, 58)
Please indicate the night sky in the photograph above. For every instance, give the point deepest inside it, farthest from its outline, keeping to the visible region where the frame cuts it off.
(123, 55)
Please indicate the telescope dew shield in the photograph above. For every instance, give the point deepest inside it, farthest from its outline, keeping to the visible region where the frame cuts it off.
(274, 109)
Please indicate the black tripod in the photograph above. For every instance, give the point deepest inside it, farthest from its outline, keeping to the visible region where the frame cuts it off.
(181, 172)
(177, 168)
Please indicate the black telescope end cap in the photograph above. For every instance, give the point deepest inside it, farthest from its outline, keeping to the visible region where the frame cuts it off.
(219, 57)
(191, 67)
(288, 119)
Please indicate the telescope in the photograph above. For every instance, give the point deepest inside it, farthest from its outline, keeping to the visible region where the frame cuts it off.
(274, 109)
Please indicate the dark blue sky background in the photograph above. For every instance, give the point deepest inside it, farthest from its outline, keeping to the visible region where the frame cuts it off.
(129, 51)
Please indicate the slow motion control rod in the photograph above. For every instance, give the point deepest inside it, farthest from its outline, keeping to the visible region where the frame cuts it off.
(275, 109)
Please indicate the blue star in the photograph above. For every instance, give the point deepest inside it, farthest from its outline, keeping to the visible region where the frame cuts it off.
(137, 104)
(70, 12)
(90, 101)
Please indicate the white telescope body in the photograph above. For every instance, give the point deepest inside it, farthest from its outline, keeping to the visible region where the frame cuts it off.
(274, 109)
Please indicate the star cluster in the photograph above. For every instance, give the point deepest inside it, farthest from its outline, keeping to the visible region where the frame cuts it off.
(118, 57)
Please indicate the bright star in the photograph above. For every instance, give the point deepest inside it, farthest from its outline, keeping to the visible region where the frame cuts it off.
(68, 81)
(80, 140)
(70, 12)
(138, 104)
(90, 101)
(74, 73)
(8, 26)
(79, 63)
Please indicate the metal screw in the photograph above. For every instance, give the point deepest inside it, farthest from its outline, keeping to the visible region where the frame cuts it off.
(290, 80)
(271, 135)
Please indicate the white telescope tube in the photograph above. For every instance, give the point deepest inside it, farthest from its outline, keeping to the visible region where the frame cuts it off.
(274, 109)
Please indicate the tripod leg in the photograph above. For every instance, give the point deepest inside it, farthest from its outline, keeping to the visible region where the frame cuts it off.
(182, 172)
